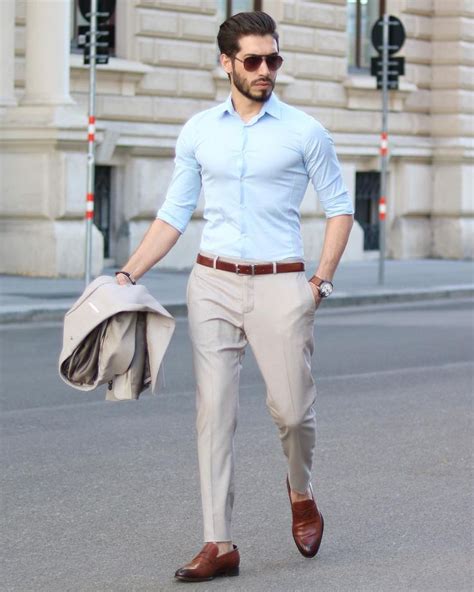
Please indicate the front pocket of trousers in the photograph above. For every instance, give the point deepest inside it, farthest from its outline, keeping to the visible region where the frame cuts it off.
(190, 282)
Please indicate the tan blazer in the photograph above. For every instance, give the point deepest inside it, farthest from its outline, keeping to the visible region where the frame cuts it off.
(117, 335)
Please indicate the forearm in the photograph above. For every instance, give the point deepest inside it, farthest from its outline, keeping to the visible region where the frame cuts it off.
(336, 236)
(157, 242)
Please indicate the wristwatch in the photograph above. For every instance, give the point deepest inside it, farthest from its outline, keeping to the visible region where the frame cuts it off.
(325, 287)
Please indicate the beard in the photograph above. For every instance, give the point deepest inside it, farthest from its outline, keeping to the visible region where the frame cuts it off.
(260, 95)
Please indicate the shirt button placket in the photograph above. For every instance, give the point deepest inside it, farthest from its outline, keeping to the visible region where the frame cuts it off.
(243, 226)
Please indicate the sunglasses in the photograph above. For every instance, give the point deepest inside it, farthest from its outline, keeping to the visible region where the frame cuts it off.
(253, 63)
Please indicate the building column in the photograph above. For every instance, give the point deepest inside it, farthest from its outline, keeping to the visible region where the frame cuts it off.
(47, 52)
(452, 116)
(7, 53)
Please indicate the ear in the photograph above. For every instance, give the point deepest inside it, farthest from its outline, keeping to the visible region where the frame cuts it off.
(226, 63)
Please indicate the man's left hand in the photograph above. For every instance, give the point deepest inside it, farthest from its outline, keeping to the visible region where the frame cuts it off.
(316, 295)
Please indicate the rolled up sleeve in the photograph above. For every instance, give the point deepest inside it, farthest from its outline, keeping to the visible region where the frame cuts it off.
(324, 170)
(183, 192)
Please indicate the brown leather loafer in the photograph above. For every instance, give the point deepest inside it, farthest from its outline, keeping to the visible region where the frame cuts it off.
(207, 565)
(308, 524)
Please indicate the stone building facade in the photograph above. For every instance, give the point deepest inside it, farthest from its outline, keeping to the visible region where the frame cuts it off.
(165, 69)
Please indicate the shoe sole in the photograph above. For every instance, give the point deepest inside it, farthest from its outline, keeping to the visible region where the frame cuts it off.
(229, 573)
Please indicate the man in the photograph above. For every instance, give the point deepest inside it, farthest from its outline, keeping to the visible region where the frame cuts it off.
(253, 156)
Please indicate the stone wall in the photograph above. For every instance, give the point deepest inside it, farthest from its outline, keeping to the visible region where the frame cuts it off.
(166, 69)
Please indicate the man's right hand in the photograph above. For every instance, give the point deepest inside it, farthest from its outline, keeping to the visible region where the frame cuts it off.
(122, 280)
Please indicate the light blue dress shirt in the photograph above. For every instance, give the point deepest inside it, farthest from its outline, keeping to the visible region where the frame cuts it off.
(254, 176)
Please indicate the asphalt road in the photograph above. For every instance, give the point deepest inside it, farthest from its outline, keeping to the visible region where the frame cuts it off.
(104, 496)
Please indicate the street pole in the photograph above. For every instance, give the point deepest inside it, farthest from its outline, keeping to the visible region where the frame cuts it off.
(388, 36)
(91, 140)
(383, 150)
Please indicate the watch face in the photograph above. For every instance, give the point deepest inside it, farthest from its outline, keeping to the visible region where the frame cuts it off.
(325, 289)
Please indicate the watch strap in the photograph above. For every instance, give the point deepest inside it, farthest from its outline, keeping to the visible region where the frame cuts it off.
(317, 281)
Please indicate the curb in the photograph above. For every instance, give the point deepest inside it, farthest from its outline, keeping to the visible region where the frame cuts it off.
(400, 296)
(55, 313)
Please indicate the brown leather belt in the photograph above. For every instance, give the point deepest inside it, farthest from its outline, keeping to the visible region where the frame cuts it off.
(249, 269)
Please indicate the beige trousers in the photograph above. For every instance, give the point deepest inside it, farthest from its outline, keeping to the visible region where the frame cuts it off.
(275, 314)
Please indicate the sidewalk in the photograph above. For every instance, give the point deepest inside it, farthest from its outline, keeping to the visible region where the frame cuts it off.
(25, 299)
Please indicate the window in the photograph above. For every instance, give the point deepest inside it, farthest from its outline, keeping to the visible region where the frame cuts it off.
(226, 8)
(103, 202)
(79, 22)
(367, 195)
(361, 16)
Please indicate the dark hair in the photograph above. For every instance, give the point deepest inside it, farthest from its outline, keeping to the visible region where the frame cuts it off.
(241, 24)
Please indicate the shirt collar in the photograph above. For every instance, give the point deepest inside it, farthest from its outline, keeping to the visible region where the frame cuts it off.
(272, 107)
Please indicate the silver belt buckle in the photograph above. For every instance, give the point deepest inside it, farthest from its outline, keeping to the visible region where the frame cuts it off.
(237, 269)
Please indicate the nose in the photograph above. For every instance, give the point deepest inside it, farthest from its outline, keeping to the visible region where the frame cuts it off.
(264, 69)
